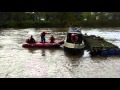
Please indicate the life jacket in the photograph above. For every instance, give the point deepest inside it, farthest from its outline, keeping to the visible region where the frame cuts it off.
(76, 38)
(52, 39)
(43, 34)
(30, 40)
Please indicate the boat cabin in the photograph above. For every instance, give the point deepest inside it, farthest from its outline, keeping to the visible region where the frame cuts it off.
(74, 31)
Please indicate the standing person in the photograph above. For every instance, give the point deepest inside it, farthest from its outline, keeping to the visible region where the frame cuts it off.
(43, 36)
(52, 39)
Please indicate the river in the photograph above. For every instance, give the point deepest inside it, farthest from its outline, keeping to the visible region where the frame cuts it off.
(19, 62)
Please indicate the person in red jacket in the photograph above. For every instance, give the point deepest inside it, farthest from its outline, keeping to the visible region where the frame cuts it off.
(43, 36)
(52, 39)
(74, 38)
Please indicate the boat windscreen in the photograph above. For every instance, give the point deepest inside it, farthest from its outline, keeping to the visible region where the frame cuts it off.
(80, 38)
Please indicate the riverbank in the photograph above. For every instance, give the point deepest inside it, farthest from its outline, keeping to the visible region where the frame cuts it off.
(48, 24)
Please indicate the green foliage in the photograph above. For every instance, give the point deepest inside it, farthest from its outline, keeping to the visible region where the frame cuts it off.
(59, 19)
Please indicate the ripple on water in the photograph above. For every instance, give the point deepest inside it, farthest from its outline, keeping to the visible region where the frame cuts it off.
(16, 61)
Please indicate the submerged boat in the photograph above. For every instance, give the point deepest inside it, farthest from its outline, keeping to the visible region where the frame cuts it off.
(76, 46)
(38, 44)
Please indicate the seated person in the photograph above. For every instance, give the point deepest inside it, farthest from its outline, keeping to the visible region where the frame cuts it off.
(74, 38)
(52, 39)
(31, 40)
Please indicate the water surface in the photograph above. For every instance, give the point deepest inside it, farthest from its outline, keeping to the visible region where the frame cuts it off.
(19, 62)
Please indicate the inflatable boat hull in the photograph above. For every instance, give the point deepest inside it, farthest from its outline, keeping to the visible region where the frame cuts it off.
(43, 45)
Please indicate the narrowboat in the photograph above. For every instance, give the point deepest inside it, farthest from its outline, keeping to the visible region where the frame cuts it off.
(74, 46)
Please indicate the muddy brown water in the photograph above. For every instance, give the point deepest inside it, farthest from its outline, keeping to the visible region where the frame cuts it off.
(19, 62)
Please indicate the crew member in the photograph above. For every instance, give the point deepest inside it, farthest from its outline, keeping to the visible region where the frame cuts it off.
(52, 39)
